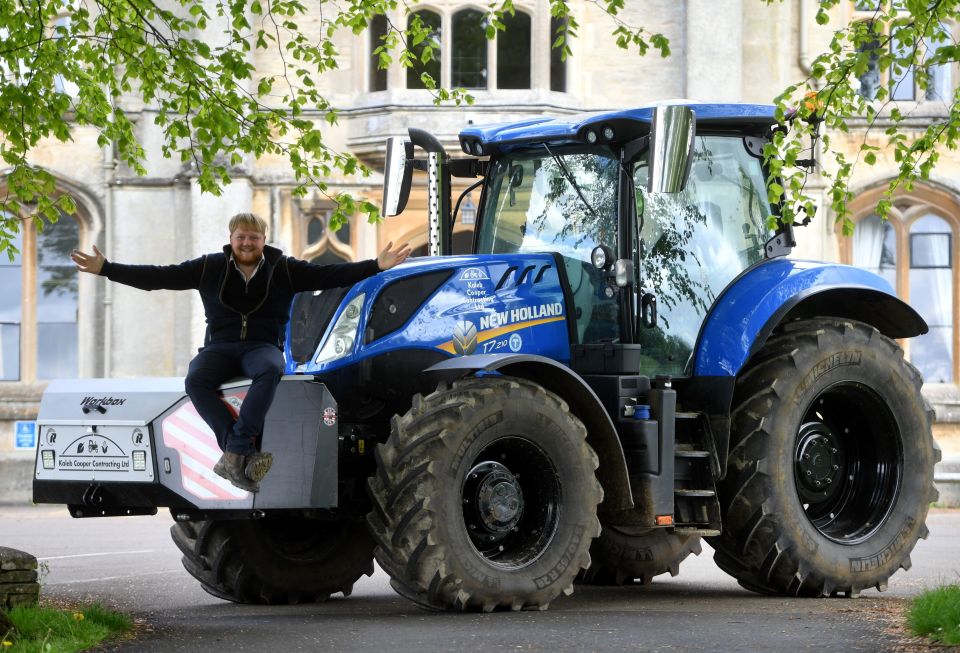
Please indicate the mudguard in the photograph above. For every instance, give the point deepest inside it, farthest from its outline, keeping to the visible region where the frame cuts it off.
(583, 401)
(108, 446)
(762, 297)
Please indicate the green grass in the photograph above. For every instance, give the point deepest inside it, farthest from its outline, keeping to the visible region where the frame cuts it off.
(936, 614)
(53, 630)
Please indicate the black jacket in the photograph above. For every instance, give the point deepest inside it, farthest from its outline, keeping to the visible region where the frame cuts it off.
(237, 310)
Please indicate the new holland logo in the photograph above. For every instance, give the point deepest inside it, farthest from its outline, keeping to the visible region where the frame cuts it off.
(465, 338)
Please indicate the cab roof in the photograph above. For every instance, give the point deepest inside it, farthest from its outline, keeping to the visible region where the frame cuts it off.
(624, 124)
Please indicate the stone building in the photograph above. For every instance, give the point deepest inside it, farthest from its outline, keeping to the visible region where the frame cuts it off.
(55, 323)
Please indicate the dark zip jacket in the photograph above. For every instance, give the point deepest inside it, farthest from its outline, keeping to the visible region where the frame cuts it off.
(235, 309)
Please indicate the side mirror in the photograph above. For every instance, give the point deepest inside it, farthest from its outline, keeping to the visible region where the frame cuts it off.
(397, 175)
(671, 148)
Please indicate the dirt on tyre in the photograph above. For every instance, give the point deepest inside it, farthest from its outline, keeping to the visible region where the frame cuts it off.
(275, 561)
(620, 558)
(485, 497)
(830, 473)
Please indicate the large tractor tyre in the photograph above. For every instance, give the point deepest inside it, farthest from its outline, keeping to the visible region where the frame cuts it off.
(622, 559)
(830, 473)
(275, 561)
(485, 497)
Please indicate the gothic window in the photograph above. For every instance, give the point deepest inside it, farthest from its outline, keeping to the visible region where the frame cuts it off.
(469, 59)
(870, 78)
(324, 246)
(38, 308)
(431, 21)
(558, 67)
(378, 75)
(513, 52)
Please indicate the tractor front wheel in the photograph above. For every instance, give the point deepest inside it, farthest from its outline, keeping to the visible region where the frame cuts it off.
(275, 561)
(485, 497)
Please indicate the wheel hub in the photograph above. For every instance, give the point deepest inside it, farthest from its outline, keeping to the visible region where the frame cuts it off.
(819, 461)
(493, 498)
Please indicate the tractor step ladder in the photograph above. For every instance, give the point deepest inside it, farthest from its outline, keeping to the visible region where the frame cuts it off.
(696, 507)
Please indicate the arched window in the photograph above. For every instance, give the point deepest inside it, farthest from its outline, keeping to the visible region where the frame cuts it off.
(931, 294)
(468, 62)
(513, 52)
(38, 305)
(378, 75)
(431, 45)
(558, 67)
(913, 250)
(322, 245)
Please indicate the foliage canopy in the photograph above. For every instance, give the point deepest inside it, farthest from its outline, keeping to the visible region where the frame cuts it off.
(70, 63)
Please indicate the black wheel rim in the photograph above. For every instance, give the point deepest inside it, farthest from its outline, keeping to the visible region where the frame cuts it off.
(847, 462)
(510, 497)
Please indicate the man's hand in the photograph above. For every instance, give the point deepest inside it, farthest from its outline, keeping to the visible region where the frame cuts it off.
(91, 263)
(391, 257)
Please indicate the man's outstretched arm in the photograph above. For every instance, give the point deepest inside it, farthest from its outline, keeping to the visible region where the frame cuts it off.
(183, 276)
(308, 276)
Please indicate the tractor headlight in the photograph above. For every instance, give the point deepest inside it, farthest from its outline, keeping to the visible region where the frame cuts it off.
(344, 333)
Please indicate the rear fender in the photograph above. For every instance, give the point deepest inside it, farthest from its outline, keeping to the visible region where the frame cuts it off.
(583, 402)
(748, 311)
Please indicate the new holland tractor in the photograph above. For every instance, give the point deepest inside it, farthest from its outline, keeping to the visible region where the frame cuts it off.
(626, 363)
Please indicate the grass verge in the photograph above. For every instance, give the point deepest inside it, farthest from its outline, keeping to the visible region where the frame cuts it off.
(936, 614)
(55, 630)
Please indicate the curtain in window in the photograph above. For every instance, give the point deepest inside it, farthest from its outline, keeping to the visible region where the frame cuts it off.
(931, 294)
(875, 248)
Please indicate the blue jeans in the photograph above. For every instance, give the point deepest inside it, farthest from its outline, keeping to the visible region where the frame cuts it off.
(219, 362)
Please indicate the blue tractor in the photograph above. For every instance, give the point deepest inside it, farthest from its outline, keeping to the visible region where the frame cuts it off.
(626, 362)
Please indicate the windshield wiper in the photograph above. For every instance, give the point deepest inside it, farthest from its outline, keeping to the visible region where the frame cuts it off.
(566, 173)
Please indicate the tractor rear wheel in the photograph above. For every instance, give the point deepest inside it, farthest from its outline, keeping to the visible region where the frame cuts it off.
(830, 473)
(619, 558)
(275, 561)
(485, 497)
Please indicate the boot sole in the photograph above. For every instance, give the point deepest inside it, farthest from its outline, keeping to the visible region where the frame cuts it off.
(257, 468)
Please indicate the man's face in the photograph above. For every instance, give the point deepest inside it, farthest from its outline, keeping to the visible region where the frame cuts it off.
(247, 245)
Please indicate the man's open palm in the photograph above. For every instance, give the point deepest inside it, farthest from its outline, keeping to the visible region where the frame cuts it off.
(390, 257)
(91, 263)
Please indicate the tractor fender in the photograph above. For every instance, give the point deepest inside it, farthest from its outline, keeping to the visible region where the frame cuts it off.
(779, 290)
(583, 402)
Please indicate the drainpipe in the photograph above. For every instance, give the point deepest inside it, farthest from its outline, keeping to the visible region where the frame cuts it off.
(803, 59)
(109, 168)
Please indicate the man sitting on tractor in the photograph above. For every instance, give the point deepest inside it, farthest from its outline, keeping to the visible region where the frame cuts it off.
(246, 291)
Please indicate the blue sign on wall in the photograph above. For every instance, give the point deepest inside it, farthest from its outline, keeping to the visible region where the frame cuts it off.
(25, 435)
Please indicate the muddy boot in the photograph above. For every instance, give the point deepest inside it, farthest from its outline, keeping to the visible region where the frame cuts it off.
(257, 465)
(230, 467)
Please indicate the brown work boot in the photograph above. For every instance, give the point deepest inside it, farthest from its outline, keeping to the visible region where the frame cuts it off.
(257, 464)
(230, 466)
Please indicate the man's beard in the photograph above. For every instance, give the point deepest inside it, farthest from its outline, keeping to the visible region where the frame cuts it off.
(247, 257)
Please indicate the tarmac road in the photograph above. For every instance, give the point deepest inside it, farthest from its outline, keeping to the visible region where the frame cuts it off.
(132, 565)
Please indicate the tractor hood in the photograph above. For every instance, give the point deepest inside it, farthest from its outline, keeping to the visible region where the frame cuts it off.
(447, 306)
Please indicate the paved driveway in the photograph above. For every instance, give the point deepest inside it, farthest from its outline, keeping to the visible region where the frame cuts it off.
(131, 564)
